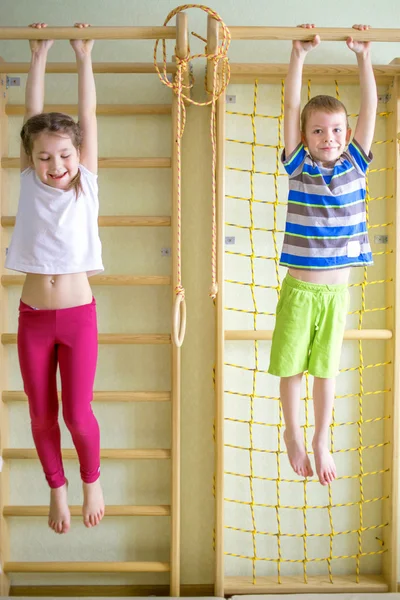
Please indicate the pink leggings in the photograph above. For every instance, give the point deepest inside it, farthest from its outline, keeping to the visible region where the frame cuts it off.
(67, 337)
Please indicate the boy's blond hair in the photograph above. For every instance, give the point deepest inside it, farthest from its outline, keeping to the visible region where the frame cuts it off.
(322, 103)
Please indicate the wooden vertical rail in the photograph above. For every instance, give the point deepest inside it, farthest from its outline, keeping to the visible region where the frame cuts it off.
(392, 375)
(4, 425)
(220, 344)
(212, 45)
(181, 51)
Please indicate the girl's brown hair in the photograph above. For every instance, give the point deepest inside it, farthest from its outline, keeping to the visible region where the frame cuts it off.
(53, 122)
(327, 104)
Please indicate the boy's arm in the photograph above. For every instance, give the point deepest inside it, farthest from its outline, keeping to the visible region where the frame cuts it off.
(293, 82)
(86, 101)
(365, 127)
(34, 89)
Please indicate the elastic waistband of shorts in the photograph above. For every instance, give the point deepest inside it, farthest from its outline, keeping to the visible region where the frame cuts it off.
(315, 288)
(25, 308)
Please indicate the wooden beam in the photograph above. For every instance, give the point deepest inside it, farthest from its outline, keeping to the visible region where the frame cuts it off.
(113, 338)
(275, 72)
(110, 454)
(76, 511)
(114, 221)
(13, 110)
(86, 567)
(96, 33)
(103, 396)
(327, 34)
(350, 334)
(316, 584)
(105, 67)
(124, 162)
(102, 280)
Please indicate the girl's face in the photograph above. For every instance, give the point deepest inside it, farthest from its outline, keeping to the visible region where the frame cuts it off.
(55, 159)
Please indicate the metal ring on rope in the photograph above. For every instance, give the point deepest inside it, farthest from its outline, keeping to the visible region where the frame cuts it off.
(179, 319)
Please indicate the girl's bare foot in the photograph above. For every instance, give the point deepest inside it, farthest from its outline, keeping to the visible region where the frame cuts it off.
(93, 503)
(298, 457)
(324, 463)
(59, 515)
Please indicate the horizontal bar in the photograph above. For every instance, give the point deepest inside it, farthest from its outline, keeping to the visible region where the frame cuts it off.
(101, 109)
(327, 34)
(109, 396)
(115, 221)
(113, 338)
(163, 162)
(110, 280)
(274, 72)
(104, 67)
(76, 511)
(110, 453)
(316, 584)
(93, 33)
(86, 567)
(350, 334)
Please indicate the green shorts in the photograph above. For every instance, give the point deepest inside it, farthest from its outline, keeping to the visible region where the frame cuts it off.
(308, 334)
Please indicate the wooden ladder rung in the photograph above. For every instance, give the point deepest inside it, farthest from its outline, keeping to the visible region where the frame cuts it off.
(105, 453)
(114, 221)
(76, 511)
(104, 280)
(113, 338)
(101, 109)
(164, 162)
(103, 67)
(349, 334)
(86, 567)
(103, 396)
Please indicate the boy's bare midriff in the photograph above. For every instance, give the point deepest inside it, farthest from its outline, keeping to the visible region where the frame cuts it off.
(56, 291)
(323, 277)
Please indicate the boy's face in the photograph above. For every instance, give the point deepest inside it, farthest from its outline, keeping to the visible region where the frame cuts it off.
(326, 136)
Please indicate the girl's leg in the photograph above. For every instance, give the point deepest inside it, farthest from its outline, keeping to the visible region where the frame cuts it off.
(324, 395)
(38, 363)
(293, 435)
(77, 355)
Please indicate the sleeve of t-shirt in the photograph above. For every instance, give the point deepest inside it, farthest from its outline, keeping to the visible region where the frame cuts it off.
(359, 157)
(90, 180)
(294, 160)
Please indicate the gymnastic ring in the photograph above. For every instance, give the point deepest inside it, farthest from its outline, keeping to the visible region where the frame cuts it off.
(179, 320)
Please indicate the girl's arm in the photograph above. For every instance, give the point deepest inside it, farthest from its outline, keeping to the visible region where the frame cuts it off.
(34, 90)
(86, 101)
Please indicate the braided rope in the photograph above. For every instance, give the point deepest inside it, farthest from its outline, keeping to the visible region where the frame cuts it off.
(182, 92)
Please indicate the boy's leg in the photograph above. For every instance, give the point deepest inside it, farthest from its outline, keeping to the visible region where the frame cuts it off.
(294, 436)
(38, 363)
(324, 395)
(77, 355)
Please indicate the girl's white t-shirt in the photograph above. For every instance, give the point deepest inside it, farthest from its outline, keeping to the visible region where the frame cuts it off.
(55, 232)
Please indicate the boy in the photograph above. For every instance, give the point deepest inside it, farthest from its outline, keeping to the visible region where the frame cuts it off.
(326, 234)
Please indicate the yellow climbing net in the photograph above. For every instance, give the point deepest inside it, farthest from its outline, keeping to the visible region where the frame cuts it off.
(276, 523)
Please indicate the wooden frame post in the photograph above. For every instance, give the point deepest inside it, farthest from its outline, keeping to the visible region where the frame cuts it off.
(392, 375)
(182, 51)
(4, 425)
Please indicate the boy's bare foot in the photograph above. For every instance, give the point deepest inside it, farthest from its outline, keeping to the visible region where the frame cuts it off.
(59, 515)
(324, 463)
(298, 457)
(93, 503)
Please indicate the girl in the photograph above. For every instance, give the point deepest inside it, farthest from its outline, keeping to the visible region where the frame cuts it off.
(56, 243)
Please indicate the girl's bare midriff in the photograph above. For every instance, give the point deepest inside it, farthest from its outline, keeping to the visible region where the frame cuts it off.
(327, 277)
(56, 291)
